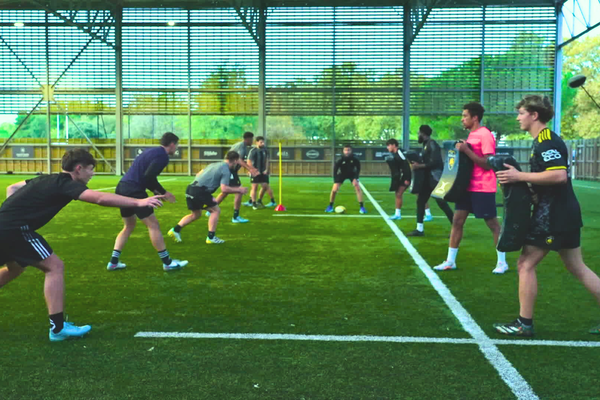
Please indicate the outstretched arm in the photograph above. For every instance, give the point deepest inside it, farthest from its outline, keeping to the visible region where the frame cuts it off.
(14, 187)
(115, 200)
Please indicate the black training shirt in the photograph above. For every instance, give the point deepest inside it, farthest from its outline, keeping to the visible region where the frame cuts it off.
(36, 203)
(347, 166)
(399, 166)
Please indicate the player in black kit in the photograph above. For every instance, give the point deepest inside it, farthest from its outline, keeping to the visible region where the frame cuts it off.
(347, 167)
(556, 220)
(401, 174)
(30, 205)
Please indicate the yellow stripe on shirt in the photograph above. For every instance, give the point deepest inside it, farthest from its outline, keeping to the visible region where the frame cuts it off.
(555, 168)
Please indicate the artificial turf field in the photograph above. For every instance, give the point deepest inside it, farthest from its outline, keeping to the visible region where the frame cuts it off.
(341, 275)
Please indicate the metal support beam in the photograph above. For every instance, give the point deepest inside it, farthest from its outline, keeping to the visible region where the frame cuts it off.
(333, 93)
(408, 37)
(48, 100)
(19, 59)
(189, 70)
(482, 71)
(558, 62)
(118, 16)
(262, 72)
(5, 144)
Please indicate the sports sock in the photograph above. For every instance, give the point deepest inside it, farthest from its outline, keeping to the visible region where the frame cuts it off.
(211, 235)
(526, 321)
(236, 213)
(115, 256)
(331, 204)
(398, 212)
(164, 256)
(420, 227)
(57, 321)
(273, 200)
(361, 204)
(428, 212)
(177, 228)
(452, 254)
(501, 256)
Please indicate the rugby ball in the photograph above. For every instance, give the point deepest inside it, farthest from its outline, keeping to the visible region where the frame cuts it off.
(340, 209)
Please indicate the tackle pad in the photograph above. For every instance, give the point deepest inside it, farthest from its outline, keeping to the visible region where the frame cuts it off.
(456, 177)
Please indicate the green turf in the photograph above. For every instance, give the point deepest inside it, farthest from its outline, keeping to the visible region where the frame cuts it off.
(338, 276)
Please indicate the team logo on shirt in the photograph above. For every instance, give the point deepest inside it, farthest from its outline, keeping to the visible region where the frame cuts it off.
(451, 159)
(551, 155)
(550, 240)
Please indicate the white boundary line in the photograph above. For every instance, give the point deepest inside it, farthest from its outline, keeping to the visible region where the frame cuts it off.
(586, 187)
(114, 187)
(349, 216)
(358, 338)
(517, 384)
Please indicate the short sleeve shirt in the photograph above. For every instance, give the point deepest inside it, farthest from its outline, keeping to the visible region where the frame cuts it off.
(242, 150)
(213, 176)
(483, 144)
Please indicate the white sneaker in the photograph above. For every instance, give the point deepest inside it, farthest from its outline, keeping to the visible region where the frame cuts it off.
(112, 267)
(207, 214)
(501, 268)
(445, 266)
(214, 240)
(175, 264)
(175, 235)
(69, 331)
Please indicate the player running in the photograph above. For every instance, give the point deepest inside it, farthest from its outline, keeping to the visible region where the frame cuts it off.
(30, 205)
(480, 198)
(259, 158)
(433, 165)
(347, 167)
(401, 174)
(142, 176)
(199, 195)
(556, 220)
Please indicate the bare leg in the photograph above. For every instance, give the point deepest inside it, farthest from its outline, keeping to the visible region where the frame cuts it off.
(237, 203)
(156, 237)
(123, 236)
(221, 197)
(359, 195)
(399, 194)
(334, 191)
(10, 272)
(269, 191)
(458, 223)
(530, 257)
(215, 212)
(54, 283)
(574, 263)
(188, 219)
(494, 226)
(253, 192)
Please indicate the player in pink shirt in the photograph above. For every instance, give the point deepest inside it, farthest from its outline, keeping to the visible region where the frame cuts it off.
(480, 198)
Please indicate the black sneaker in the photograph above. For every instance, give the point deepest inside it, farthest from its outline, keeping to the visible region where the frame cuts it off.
(416, 233)
(515, 328)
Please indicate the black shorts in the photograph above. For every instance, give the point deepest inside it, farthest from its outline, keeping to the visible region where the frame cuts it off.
(198, 197)
(342, 178)
(483, 205)
(397, 183)
(25, 247)
(234, 179)
(556, 242)
(262, 178)
(127, 190)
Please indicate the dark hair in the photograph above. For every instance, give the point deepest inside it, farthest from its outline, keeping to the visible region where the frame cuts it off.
(75, 157)
(392, 141)
(259, 138)
(541, 105)
(426, 129)
(475, 110)
(348, 146)
(248, 135)
(168, 138)
(232, 156)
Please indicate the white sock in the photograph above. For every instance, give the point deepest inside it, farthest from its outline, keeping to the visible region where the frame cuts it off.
(428, 212)
(501, 256)
(398, 212)
(419, 227)
(452, 254)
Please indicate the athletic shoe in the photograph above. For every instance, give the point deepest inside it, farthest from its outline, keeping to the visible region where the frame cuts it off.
(207, 214)
(329, 209)
(395, 217)
(248, 203)
(428, 218)
(515, 328)
(501, 268)
(415, 233)
(175, 264)
(445, 266)
(595, 330)
(271, 204)
(112, 267)
(175, 235)
(258, 206)
(239, 220)
(362, 210)
(69, 331)
(214, 240)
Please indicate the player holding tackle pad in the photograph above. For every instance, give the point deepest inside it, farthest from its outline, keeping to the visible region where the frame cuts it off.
(480, 197)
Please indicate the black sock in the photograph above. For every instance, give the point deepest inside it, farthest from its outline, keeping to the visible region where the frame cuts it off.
(331, 204)
(115, 257)
(236, 213)
(273, 200)
(361, 203)
(164, 256)
(57, 321)
(254, 203)
(526, 321)
(211, 235)
(260, 201)
(177, 228)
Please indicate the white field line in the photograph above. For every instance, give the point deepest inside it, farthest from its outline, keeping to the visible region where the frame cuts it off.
(114, 187)
(586, 187)
(506, 370)
(348, 216)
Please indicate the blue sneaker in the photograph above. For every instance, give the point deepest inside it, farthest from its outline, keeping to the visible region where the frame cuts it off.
(362, 210)
(69, 331)
(239, 220)
(207, 214)
(428, 218)
(247, 204)
(271, 204)
(329, 209)
(175, 264)
(112, 267)
(395, 217)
